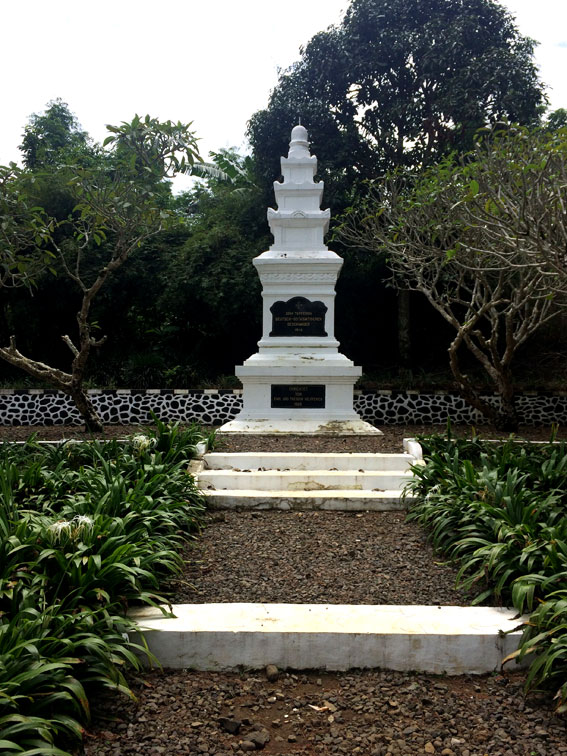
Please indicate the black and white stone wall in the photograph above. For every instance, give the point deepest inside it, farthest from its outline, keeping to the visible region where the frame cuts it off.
(214, 407)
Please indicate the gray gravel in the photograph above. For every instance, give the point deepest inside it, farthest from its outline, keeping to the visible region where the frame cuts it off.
(367, 713)
(389, 442)
(316, 557)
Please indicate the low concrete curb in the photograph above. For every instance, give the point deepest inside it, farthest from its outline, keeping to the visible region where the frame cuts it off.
(450, 640)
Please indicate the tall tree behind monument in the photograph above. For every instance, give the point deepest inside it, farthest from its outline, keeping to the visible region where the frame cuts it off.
(399, 82)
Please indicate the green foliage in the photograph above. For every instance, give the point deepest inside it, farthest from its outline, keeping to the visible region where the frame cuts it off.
(546, 637)
(53, 137)
(557, 119)
(25, 232)
(86, 529)
(120, 200)
(482, 238)
(499, 510)
(211, 290)
(401, 82)
(149, 147)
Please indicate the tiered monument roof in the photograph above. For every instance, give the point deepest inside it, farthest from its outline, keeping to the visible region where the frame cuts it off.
(298, 224)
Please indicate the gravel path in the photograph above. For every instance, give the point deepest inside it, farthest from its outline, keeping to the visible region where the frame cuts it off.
(315, 557)
(390, 441)
(319, 556)
(364, 713)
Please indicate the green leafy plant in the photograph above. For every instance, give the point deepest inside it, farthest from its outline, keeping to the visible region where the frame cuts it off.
(499, 511)
(86, 529)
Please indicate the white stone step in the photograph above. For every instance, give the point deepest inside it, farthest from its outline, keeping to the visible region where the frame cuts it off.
(274, 480)
(338, 500)
(303, 480)
(450, 640)
(296, 461)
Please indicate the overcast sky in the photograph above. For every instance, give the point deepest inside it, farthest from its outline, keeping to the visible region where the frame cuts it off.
(212, 62)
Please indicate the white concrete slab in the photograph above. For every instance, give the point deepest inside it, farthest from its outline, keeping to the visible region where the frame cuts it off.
(330, 425)
(437, 639)
(304, 480)
(341, 501)
(306, 461)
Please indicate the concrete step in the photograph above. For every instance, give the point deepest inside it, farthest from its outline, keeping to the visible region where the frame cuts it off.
(337, 500)
(294, 461)
(274, 480)
(450, 640)
(304, 480)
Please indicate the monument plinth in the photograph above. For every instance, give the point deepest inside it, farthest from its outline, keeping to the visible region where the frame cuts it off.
(298, 382)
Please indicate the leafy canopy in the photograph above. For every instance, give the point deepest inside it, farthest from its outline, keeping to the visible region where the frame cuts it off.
(401, 82)
(119, 201)
(53, 136)
(25, 232)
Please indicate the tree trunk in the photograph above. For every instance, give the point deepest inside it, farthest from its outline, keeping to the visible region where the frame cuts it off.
(507, 416)
(72, 385)
(504, 418)
(404, 323)
(93, 423)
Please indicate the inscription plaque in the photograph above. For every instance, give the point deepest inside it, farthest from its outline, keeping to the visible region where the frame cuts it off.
(298, 317)
(303, 396)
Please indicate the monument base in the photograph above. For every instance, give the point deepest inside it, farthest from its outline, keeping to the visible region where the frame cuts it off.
(301, 392)
(291, 426)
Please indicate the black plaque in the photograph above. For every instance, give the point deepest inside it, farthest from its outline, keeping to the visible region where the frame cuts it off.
(302, 396)
(298, 317)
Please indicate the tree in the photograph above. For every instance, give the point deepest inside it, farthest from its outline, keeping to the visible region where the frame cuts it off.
(52, 136)
(119, 203)
(402, 82)
(399, 83)
(25, 233)
(521, 202)
(213, 297)
(484, 239)
(557, 119)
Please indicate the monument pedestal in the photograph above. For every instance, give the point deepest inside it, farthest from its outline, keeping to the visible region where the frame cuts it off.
(298, 382)
(302, 392)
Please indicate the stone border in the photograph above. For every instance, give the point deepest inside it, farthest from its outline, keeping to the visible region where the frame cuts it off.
(217, 406)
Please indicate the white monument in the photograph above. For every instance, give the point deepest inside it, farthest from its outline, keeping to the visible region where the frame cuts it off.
(298, 382)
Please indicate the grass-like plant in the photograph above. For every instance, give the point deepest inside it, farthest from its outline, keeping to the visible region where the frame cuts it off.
(500, 511)
(545, 637)
(86, 530)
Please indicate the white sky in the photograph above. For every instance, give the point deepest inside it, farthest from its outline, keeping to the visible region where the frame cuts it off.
(212, 62)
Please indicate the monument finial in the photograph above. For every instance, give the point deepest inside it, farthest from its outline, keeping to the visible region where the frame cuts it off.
(299, 145)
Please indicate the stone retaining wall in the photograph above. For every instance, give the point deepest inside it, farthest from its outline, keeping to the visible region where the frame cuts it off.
(217, 406)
